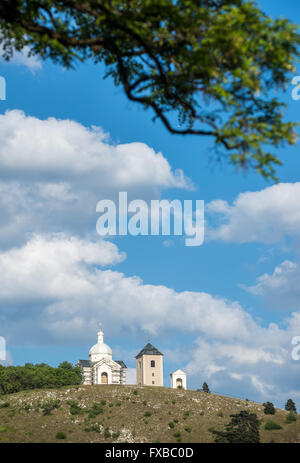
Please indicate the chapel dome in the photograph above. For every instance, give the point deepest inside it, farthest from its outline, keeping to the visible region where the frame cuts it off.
(100, 350)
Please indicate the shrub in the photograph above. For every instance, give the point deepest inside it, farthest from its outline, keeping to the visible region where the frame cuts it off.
(135, 392)
(188, 429)
(177, 434)
(61, 435)
(103, 402)
(173, 402)
(269, 408)
(291, 418)
(75, 409)
(271, 425)
(147, 413)
(94, 427)
(49, 405)
(171, 425)
(175, 421)
(118, 404)
(107, 434)
(95, 410)
(186, 415)
(220, 414)
(116, 435)
(145, 402)
(5, 405)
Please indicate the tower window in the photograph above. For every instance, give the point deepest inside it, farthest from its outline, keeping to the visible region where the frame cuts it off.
(153, 382)
(152, 374)
(152, 363)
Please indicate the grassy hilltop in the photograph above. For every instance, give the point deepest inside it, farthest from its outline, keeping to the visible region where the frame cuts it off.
(127, 414)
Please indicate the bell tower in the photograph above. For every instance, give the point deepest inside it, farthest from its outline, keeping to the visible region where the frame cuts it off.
(149, 367)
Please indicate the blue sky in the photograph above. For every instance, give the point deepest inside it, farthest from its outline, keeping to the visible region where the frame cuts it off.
(225, 311)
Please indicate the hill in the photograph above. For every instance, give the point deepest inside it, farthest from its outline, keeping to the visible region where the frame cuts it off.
(108, 413)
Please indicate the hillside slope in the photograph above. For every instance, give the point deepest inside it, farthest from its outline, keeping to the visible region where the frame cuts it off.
(127, 414)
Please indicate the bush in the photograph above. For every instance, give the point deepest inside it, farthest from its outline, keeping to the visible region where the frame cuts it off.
(135, 392)
(171, 425)
(271, 425)
(61, 435)
(107, 434)
(5, 405)
(188, 429)
(177, 434)
(95, 410)
(147, 413)
(291, 418)
(269, 408)
(75, 409)
(103, 402)
(49, 405)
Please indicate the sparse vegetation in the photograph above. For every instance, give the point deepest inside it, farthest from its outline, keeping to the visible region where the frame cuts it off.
(24, 421)
(61, 435)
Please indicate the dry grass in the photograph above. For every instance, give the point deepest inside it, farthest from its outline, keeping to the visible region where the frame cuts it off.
(127, 416)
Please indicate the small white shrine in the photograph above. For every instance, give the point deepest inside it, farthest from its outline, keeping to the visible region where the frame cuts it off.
(178, 379)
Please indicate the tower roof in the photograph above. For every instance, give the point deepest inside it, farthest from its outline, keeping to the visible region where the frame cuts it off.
(148, 350)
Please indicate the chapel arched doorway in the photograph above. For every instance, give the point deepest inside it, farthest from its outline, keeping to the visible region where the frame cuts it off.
(179, 382)
(104, 378)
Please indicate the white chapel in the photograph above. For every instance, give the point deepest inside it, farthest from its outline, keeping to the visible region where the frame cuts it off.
(101, 368)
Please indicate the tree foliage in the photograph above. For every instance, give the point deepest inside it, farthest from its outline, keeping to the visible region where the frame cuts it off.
(243, 428)
(269, 408)
(205, 67)
(18, 378)
(205, 387)
(290, 406)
